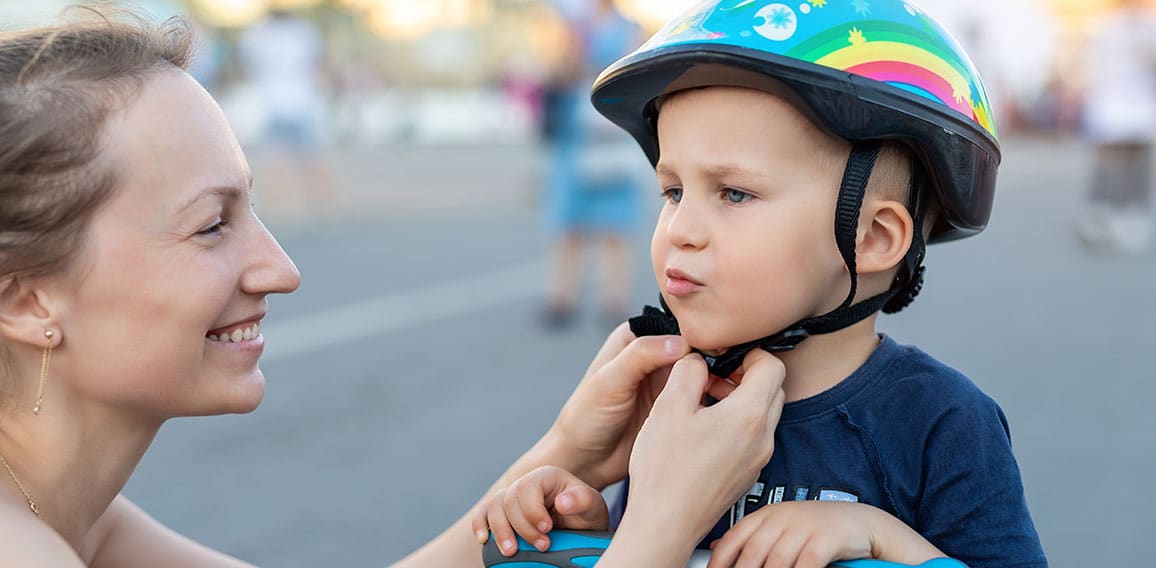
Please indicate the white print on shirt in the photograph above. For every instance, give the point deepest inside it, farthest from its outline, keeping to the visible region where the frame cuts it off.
(749, 502)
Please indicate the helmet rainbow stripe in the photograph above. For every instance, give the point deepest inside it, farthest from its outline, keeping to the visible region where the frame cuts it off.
(895, 43)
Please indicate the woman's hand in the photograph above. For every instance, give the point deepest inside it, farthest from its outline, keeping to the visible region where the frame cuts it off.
(692, 462)
(539, 502)
(595, 431)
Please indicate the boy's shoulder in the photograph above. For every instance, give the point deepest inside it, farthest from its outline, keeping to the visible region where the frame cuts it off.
(910, 383)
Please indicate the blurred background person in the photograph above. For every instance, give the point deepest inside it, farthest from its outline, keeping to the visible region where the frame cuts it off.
(1120, 119)
(591, 182)
(283, 56)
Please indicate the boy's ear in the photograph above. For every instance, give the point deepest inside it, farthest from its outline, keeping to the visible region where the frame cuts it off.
(25, 313)
(886, 230)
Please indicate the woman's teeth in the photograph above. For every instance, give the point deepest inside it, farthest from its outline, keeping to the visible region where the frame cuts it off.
(238, 335)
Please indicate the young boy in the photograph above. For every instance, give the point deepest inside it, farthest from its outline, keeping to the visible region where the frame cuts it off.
(768, 125)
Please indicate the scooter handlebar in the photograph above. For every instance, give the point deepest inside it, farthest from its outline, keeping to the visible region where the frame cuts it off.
(582, 549)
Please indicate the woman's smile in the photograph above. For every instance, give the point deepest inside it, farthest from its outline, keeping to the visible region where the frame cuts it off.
(243, 337)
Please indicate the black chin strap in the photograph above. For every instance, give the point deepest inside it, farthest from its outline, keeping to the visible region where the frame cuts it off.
(655, 321)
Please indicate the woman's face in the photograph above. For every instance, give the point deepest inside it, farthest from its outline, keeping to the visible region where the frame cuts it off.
(172, 280)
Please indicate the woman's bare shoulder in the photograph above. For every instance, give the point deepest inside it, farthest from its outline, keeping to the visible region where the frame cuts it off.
(30, 542)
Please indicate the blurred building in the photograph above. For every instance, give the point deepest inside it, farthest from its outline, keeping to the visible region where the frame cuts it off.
(444, 61)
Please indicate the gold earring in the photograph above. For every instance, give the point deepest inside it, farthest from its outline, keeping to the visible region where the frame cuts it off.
(44, 361)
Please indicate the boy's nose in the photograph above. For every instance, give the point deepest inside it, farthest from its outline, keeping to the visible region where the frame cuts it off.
(686, 228)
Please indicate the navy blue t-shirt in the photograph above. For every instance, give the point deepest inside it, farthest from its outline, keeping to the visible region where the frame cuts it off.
(915, 438)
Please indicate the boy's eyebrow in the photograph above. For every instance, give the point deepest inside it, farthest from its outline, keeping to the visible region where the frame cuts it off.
(714, 170)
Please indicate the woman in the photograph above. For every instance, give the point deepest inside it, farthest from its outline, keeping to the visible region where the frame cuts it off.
(133, 280)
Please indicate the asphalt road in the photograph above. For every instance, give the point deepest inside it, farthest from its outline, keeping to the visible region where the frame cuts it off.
(409, 369)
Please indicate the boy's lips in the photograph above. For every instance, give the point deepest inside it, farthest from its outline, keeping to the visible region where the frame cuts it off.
(679, 283)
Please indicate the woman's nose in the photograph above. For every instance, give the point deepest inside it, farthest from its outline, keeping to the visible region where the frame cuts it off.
(271, 270)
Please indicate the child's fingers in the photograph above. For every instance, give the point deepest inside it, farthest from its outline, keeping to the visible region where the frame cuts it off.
(756, 554)
(582, 508)
(500, 525)
(782, 553)
(516, 513)
(817, 553)
(725, 551)
(480, 526)
(526, 508)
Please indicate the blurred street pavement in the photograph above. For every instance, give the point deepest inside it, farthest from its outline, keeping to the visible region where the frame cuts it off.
(410, 370)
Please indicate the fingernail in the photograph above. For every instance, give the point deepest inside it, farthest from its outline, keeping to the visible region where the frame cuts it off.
(565, 501)
(541, 544)
(508, 545)
(482, 536)
(673, 345)
(544, 526)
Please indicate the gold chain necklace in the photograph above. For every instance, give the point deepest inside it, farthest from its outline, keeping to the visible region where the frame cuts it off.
(20, 486)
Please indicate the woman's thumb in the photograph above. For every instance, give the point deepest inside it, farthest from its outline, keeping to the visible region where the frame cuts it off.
(684, 388)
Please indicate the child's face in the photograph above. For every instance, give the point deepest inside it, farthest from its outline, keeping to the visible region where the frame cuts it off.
(745, 245)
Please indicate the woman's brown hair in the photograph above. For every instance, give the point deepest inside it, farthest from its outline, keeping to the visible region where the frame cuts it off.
(58, 87)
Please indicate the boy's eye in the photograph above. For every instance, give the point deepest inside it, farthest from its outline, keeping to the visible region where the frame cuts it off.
(673, 194)
(736, 196)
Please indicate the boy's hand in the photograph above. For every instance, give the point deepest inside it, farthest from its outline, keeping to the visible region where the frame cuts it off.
(813, 534)
(540, 501)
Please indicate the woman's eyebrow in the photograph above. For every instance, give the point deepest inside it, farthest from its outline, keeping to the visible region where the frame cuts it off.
(227, 191)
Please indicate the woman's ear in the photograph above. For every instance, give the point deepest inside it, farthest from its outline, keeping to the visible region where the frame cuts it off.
(25, 313)
(886, 230)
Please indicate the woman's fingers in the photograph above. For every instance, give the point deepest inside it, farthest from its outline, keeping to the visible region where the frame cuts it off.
(775, 412)
(639, 359)
(761, 376)
(679, 431)
(719, 388)
(684, 386)
(615, 343)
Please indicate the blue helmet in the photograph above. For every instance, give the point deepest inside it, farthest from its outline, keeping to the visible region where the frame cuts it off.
(867, 70)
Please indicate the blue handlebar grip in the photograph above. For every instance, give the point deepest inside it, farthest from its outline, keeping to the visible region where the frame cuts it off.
(866, 563)
(582, 549)
(568, 549)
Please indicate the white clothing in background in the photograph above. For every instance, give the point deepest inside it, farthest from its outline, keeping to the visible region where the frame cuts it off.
(282, 58)
(1121, 96)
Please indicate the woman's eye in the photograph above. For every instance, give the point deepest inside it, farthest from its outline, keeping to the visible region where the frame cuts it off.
(213, 231)
(673, 194)
(736, 196)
